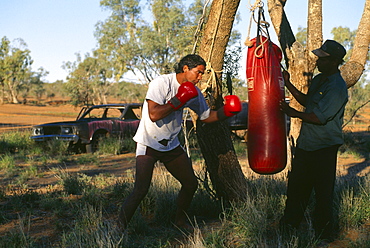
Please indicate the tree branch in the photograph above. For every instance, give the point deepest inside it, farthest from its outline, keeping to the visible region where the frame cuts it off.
(354, 113)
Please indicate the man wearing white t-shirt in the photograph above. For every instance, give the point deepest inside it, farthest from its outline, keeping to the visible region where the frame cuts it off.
(157, 135)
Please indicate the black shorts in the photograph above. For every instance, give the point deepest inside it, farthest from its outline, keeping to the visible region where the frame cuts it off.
(163, 157)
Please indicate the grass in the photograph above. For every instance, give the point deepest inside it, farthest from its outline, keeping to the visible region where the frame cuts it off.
(357, 145)
(113, 145)
(81, 210)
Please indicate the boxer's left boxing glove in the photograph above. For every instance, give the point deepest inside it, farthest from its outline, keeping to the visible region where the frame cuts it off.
(232, 107)
(186, 91)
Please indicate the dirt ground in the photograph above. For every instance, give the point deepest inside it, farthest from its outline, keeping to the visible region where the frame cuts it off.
(18, 116)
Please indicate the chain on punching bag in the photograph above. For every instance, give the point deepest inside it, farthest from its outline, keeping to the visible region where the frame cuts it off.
(267, 147)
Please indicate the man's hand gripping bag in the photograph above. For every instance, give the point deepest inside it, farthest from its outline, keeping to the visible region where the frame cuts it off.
(267, 148)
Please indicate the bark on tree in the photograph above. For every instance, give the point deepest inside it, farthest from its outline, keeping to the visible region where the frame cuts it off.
(214, 139)
(301, 62)
(353, 69)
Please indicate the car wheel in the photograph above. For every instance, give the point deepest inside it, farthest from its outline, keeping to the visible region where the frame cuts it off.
(76, 147)
(94, 144)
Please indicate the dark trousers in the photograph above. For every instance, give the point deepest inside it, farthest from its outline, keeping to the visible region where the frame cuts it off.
(312, 170)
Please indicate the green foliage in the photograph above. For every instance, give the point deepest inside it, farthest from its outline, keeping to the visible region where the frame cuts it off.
(7, 165)
(12, 142)
(346, 37)
(137, 46)
(358, 97)
(72, 183)
(55, 87)
(88, 159)
(240, 148)
(15, 67)
(356, 144)
(301, 36)
(128, 92)
(88, 80)
(51, 147)
(231, 68)
(28, 173)
(16, 77)
(91, 231)
(115, 146)
(16, 239)
(355, 210)
(34, 86)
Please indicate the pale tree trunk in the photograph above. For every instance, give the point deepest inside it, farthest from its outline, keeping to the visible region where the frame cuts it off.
(13, 92)
(2, 93)
(214, 139)
(301, 62)
(295, 58)
(353, 69)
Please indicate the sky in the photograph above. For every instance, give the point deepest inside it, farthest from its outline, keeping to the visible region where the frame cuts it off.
(55, 30)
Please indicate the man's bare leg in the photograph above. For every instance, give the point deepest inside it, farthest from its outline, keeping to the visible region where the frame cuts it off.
(144, 173)
(182, 170)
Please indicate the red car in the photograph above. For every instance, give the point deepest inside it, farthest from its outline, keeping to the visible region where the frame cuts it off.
(91, 125)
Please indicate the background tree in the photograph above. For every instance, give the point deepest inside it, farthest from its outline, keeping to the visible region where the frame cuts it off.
(4, 52)
(15, 68)
(88, 80)
(55, 89)
(128, 92)
(146, 49)
(34, 85)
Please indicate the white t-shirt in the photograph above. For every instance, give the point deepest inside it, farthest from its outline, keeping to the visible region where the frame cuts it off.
(161, 90)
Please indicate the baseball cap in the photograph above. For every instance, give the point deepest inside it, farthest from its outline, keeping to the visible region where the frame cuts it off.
(330, 48)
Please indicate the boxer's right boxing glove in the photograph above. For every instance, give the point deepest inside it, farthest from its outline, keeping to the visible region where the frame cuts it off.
(232, 107)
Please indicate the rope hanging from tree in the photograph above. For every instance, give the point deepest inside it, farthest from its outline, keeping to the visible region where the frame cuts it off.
(187, 111)
(212, 79)
(262, 27)
(211, 82)
(200, 25)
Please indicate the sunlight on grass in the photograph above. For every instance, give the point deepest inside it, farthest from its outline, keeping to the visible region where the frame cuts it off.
(84, 207)
(115, 146)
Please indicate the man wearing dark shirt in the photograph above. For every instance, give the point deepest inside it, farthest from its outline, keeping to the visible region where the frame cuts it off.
(315, 158)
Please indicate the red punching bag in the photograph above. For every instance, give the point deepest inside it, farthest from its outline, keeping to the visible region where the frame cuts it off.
(267, 148)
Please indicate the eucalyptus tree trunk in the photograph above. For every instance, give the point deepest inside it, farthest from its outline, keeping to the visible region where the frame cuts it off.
(353, 69)
(13, 92)
(2, 92)
(300, 62)
(214, 139)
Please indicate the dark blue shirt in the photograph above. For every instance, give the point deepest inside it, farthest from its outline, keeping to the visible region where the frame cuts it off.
(326, 98)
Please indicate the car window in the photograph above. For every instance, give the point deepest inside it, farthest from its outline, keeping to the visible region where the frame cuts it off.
(137, 112)
(113, 113)
(96, 113)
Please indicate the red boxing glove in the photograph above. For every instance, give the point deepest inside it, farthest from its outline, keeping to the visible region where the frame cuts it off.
(232, 107)
(185, 92)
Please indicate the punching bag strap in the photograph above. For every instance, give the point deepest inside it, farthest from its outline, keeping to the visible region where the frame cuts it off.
(262, 27)
(252, 8)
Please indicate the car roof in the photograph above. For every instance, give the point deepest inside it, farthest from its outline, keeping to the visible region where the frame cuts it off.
(115, 105)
